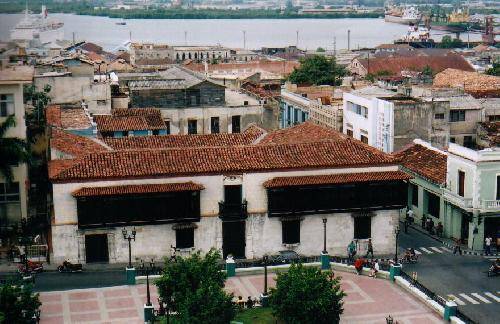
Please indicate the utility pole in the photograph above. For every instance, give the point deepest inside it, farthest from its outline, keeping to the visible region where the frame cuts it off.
(297, 40)
(185, 37)
(334, 45)
(348, 39)
(244, 39)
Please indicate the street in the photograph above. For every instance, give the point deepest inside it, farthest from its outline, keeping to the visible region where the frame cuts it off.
(461, 277)
(52, 280)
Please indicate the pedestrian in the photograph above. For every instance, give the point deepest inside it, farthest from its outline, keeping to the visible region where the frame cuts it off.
(370, 248)
(487, 242)
(457, 247)
(358, 265)
(423, 221)
(374, 269)
(249, 302)
(409, 215)
(351, 251)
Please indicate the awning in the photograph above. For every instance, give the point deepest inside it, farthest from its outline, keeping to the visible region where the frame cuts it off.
(137, 189)
(281, 182)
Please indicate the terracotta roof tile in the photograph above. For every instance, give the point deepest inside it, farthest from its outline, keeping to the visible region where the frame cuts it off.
(428, 163)
(336, 178)
(305, 132)
(395, 64)
(213, 160)
(476, 84)
(130, 119)
(69, 117)
(137, 189)
(74, 144)
(171, 141)
(53, 115)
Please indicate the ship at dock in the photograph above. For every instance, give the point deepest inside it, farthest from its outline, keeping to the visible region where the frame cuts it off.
(406, 15)
(37, 26)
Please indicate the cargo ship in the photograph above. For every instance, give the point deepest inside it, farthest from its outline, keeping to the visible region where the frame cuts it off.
(406, 16)
(37, 26)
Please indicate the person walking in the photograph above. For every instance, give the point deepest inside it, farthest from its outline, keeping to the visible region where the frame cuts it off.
(487, 243)
(374, 269)
(457, 247)
(370, 248)
(351, 251)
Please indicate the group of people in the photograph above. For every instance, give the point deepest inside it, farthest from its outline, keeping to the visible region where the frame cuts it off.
(373, 265)
(249, 303)
(352, 250)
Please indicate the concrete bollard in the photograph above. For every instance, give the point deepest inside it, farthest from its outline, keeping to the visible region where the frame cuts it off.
(230, 266)
(394, 271)
(148, 313)
(450, 309)
(130, 276)
(325, 261)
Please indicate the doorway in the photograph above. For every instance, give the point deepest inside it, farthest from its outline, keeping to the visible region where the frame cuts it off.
(464, 229)
(233, 239)
(96, 248)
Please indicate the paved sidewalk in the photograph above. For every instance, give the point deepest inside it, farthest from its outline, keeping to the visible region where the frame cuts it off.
(368, 301)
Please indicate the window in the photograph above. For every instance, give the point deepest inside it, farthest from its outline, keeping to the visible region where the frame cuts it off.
(245, 102)
(167, 123)
(498, 188)
(350, 133)
(457, 115)
(414, 195)
(236, 124)
(452, 140)
(364, 139)
(439, 116)
(184, 238)
(125, 133)
(156, 132)
(357, 109)
(101, 102)
(214, 125)
(6, 105)
(461, 183)
(9, 192)
(469, 142)
(291, 231)
(362, 227)
(192, 126)
(433, 204)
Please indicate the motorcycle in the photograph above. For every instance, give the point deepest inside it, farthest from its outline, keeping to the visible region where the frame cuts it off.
(33, 267)
(493, 271)
(67, 266)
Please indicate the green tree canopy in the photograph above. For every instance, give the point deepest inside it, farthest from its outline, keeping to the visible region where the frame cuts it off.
(13, 150)
(307, 295)
(318, 70)
(448, 42)
(194, 287)
(17, 304)
(495, 70)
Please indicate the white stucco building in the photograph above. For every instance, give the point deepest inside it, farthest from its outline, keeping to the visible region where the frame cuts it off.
(246, 194)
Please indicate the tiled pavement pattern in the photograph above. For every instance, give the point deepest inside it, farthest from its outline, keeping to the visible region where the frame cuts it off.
(368, 301)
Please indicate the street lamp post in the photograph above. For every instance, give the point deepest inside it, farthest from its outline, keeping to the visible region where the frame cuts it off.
(325, 258)
(129, 236)
(264, 297)
(396, 232)
(148, 307)
(129, 270)
(324, 236)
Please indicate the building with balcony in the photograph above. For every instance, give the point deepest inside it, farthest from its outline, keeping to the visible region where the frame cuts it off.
(246, 194)
(390, 121)
(472, 194)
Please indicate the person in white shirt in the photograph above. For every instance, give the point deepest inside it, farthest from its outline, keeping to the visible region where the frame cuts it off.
(487, 243)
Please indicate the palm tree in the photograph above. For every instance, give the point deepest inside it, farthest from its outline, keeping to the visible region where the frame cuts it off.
(12, 150)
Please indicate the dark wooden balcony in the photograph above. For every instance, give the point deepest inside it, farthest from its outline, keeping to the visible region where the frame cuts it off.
(232, 211)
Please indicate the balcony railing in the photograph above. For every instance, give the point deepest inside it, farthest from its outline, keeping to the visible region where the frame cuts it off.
(462, 202)
(228, 211)
(490, 205)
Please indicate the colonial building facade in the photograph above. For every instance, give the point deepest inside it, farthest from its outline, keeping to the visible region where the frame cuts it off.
(246, 200)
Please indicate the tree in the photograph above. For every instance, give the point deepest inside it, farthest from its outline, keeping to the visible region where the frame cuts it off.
(40, 100)
(448, 42)
(318, 70)
(17, 304)
(307, 295)
(13, 150)
(427, 71)
(194, 287)
(320, 49)
(495, 70)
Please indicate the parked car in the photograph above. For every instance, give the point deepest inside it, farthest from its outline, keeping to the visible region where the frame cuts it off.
(284, 257)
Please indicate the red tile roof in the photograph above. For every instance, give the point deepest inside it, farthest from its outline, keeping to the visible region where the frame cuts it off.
(336, 178)
(477, 84)
(171, 141)
(137, 189)
(395, 64)
(74, 144)
(305, 132)
(425, 162)
(53, 115)
(216, 160)
(71, 117)
(130, 119)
